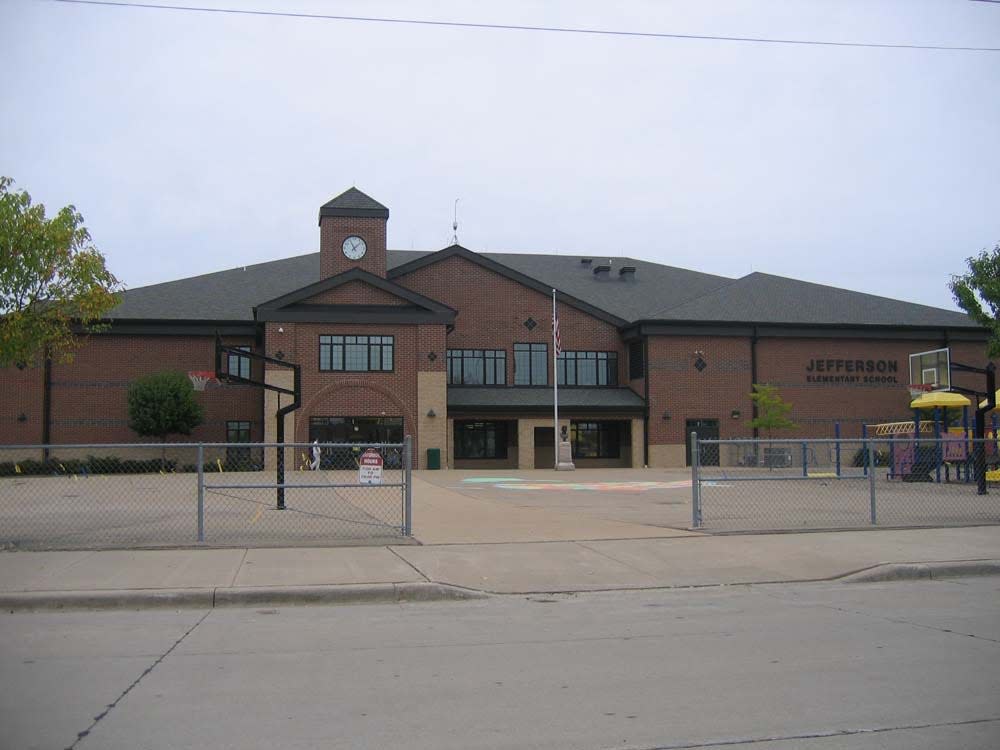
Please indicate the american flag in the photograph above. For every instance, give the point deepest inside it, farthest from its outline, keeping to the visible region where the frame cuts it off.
(555, 331)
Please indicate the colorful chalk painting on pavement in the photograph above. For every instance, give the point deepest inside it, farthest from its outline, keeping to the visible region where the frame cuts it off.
(557, 485)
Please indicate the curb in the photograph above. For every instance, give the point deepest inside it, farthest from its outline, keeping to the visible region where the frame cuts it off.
(926, 570)
(378, 593)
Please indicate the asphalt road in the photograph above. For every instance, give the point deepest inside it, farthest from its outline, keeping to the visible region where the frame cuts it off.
(821, 666)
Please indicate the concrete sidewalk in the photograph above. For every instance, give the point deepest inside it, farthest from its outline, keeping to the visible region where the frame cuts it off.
(262, 577)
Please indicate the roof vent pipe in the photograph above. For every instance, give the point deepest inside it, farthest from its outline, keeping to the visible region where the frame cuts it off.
(602, 271)
(626, 272)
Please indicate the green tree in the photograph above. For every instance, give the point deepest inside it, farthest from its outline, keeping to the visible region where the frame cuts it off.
(51, 279)
(772, 410)
(978, 293)
(163, 404)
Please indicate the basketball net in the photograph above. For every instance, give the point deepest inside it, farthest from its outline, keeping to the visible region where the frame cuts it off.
(200, 379)
(919, 389)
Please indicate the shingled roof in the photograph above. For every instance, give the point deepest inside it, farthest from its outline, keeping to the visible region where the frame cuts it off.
(352, 202)
(653, 292)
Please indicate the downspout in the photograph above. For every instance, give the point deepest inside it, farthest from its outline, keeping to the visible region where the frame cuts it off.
(47, 406)
(753, 377)
(645, 388)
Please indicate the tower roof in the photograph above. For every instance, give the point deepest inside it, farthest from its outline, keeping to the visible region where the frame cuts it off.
(352, 202)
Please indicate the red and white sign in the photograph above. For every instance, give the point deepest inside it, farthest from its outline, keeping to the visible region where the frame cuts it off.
(370, 467)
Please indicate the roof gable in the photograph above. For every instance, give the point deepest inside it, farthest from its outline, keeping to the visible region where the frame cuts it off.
(510, 273)
(392, 302)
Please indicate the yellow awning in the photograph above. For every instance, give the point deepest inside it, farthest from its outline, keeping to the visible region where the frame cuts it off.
(940, 399)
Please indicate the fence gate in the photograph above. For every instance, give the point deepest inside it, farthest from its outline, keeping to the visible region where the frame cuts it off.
(331, 491)
(139, 495)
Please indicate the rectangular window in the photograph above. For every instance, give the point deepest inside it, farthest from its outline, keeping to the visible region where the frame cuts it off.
(238, 432)
(238, 365)
(477, 367)
(636, 368)
(238, 459)
(587, 368)
(531, 364)
(480, 440)
(596, 439)
(356, 353)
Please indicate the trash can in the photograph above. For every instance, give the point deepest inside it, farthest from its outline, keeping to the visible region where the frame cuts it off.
(433, 458)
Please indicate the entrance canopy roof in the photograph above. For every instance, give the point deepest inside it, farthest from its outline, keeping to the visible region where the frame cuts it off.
(538, 399)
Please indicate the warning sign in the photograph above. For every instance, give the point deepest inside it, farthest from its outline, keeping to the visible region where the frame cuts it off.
(370, 467)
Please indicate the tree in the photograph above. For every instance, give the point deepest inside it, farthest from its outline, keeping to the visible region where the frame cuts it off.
(51, 279)
(772, 411)
(978, 293)
(163, 404)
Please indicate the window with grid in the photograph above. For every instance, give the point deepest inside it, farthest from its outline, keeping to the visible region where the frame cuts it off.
(477, 367)
(596, 439)
(238, 365)
(356, 353)
(587, 368)
(480, 440)
(237, 432)
(531, 364)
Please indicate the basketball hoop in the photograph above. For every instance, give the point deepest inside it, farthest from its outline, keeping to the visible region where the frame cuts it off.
(201, 378)
(919, 389)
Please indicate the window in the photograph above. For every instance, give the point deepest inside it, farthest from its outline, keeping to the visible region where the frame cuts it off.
(238, 459)
(531, 364)
(587, 368)
(239, 365)
(480, 440)
(356, 353)
(596, 439)
(237, 432)
(477, 367)
(636, 368)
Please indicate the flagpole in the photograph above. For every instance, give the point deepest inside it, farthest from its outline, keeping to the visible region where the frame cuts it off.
(555, 384)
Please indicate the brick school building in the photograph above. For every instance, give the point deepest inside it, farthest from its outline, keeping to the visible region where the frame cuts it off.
(454, 347)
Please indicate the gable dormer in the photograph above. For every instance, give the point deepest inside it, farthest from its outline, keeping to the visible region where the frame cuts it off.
(352, 235)
(355, 296)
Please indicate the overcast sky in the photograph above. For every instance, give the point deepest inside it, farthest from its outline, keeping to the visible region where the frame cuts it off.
(194, 142)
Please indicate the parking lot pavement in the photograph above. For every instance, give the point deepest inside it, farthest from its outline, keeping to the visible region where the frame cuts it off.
(526, 506)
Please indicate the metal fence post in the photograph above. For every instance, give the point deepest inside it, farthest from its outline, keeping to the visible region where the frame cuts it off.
(201, 492)
(864, 446)
(695, 482)
(408, 486)
(836, 435)
(871, 482)
(805, 460)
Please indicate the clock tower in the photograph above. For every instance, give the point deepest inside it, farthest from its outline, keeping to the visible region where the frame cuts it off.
(352, 234)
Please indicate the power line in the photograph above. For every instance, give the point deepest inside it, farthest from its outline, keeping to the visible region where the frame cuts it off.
(514, 27)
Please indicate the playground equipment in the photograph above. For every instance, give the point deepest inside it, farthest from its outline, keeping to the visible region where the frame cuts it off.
(939, 438)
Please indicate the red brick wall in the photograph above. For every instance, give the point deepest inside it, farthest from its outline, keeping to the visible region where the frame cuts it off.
(359, 394)
(89, 395)
(725, 383)
(678, 388)
(355, 293)
(492, 310)
(333, 230)
(870, 398)
(22, 396)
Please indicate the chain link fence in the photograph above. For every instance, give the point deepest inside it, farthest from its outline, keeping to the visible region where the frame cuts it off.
(225, 494)
(758, 485)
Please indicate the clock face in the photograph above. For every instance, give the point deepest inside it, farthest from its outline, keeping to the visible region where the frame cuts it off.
(355, 248)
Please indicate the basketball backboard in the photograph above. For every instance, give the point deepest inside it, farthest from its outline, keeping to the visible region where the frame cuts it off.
(931, 368)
